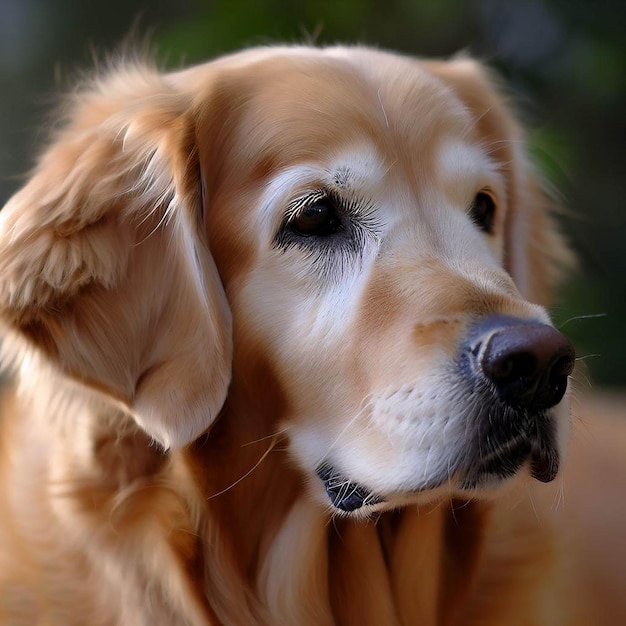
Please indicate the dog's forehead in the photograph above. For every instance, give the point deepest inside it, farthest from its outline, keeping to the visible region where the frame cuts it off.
(293, 108)
(383, 127)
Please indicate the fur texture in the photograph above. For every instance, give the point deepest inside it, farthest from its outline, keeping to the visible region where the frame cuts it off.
(185, 358)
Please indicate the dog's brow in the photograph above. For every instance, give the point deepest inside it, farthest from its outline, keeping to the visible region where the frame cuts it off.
(355, 173)
(360, 168)
(461, 168)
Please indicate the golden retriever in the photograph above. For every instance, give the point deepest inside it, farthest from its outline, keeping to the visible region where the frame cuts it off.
(281, 353)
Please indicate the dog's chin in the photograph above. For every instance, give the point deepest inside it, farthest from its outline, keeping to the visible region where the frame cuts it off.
(484, 476)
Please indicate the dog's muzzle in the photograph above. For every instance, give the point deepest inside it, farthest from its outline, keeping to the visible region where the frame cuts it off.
(516, 370)
(510, 373)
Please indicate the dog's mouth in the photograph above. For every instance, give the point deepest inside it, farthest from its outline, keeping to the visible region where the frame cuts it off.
(508, 458)
(343, 493)
(485, 471)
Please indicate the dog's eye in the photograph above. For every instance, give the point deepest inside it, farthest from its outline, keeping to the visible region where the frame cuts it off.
(318, 218)
(483, 211)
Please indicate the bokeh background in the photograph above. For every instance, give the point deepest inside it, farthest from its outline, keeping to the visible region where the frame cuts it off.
(564, 59)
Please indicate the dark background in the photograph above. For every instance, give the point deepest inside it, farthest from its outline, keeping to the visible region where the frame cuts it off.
(565, 61)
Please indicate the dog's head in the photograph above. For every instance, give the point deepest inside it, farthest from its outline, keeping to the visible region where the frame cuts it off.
(370, 222)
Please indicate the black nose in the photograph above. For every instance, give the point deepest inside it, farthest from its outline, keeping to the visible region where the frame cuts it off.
(527, 362)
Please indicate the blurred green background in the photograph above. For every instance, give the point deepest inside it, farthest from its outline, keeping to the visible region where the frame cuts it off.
(564, 59)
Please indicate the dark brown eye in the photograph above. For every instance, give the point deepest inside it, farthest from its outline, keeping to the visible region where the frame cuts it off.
(316, 219)
(483, 212)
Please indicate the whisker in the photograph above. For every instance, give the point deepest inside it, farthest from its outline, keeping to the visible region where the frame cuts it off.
(532, 502)
(383, 109)
(282, 431)
(265, 454)
(585, 377)
(345, 428)
(589, 316)
(559, 496)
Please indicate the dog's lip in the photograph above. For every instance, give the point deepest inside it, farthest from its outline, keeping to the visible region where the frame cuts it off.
(504, 462)
(544, 464)
(347, 495)
(511, 455)
(514, 452)
(344, 494)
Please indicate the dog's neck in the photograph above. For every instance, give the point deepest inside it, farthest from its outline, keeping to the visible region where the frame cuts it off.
(298, 564)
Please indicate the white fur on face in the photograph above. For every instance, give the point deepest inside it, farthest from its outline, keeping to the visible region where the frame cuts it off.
(404, 428)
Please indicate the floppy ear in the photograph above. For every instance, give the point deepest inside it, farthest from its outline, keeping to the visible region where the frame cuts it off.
(536, 254)
(103, 260)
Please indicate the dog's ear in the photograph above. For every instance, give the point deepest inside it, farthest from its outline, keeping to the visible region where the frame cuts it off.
(536, 254)
(103, 260)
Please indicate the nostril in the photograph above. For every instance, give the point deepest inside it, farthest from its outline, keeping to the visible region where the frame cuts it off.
(563, 365)
(556, 383)
(510, 367)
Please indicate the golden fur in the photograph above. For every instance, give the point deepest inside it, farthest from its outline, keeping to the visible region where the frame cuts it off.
(174, 369)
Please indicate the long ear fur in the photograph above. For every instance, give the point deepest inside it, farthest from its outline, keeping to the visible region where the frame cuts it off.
(536, 254)
(103, 263)
(536, 251)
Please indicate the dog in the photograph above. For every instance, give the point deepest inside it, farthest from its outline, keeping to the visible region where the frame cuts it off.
(281, 352)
